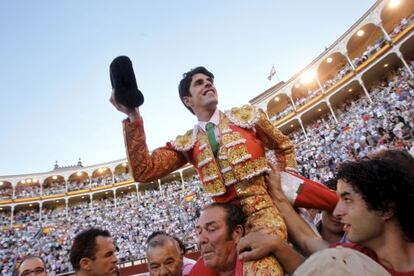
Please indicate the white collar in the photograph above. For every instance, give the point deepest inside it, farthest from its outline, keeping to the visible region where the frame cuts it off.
(215, 119)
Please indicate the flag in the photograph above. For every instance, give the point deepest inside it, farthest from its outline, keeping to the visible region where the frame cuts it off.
(272, 73)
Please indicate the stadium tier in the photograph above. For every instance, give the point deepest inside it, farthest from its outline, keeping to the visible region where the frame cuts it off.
(355, 98)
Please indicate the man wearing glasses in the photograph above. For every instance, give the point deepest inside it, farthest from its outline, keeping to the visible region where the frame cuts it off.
(32, 265)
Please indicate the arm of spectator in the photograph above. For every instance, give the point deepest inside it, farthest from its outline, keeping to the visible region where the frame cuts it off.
(300, 233)
(257, 245)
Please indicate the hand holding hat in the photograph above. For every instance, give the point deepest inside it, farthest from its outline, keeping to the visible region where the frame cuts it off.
(124, 84)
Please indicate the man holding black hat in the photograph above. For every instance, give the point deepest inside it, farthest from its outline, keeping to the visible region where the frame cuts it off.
(226, 149)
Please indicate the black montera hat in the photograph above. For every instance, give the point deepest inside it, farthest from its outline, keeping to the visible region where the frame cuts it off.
(124, 83)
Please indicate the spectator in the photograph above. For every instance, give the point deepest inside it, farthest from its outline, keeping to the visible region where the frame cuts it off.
(32, 265)
(375, 199)
(93, 253)
(220, 229)
(329, 227)
(164, 255)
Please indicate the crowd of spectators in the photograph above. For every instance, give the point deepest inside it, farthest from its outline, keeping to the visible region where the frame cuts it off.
(363, 127)
(6, 192)
(171, 209)
(101, 180)
(23, 191)
(369, 51)
(54, 187)
(76, 185)
(404, 23)
(342, 72)
(310, 95)
(346, 68)
(289, 109)
(4, 219)
(122, 177)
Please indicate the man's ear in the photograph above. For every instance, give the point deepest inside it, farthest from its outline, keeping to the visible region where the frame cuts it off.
(85, 264)
(187, 101)
(387, 215)
(238, 233)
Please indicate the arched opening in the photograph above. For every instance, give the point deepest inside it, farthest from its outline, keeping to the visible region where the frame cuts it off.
(121, 173)
(333, 69)
(54, 185)
(78, 181)
(279, 107)
(396, 16)
(6, 190)
(28, 188)
(101, 177)
(364, 43)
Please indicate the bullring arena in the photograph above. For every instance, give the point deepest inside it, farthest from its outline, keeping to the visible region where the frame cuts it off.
(355, 98)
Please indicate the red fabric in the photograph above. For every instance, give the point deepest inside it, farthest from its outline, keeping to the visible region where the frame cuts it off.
(199, 269)
(229, 196)
(315, 196)
(370, 253)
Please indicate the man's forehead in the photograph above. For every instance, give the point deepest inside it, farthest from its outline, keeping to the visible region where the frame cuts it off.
(104, 243)
(211, 215)
(31, 263)
(164, 251)
(344, 187)
(199, 76)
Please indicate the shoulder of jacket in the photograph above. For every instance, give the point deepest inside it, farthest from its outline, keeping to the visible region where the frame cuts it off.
(186, 141)
(245, 116)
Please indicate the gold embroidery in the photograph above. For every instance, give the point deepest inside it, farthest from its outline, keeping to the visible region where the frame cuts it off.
(224, 125)
(260, 214)
(205, 156)
(229, 178)
(238, 154)
(251, 168)
(245, 116)
(232, 138)
(224, 164)
(274, 139)
(209, 172)
(214, 188)
(185, 142)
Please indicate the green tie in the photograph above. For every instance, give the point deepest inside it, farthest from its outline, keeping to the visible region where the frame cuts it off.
(212, 137)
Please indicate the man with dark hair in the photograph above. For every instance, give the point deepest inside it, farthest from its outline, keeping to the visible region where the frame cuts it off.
(185, 83)
(330, 227)
(93, 253)
(376, 198)
(32, 265)
(226, 148)
(220, 230)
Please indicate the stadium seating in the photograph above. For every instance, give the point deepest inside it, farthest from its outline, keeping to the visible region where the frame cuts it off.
(374, 88)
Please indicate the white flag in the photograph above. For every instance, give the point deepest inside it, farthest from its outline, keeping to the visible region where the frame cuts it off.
(272, 73)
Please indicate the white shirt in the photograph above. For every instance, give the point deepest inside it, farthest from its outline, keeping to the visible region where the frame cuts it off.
(215, 119)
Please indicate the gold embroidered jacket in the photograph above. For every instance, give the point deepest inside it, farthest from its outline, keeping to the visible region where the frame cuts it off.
(244, 133)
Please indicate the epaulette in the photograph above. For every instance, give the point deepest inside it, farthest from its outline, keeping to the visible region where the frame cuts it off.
(245, 116)
(185, 142)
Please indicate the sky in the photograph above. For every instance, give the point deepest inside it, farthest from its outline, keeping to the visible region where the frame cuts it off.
(55, 56)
